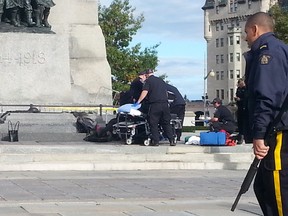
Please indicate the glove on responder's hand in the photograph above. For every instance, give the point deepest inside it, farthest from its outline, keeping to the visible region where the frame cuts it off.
(136, 104)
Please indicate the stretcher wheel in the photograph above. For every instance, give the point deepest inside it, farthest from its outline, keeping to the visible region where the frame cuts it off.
(129, 141)
(146, 142)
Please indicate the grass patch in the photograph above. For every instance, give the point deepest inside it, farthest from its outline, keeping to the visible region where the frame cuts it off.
(194, 128)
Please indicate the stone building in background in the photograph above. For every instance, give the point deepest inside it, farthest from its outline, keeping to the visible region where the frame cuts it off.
(224, 23)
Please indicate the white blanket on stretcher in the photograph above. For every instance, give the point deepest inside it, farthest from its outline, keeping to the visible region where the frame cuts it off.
(131, 109)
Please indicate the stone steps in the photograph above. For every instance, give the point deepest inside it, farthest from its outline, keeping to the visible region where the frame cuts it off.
(23, 156)
(195, 158)
(49, 141)
(108, 166)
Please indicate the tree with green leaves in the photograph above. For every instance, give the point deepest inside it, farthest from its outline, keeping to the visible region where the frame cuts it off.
(119, 25)
(280, 15)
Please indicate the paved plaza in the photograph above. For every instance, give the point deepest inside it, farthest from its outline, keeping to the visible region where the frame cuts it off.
(124, 193)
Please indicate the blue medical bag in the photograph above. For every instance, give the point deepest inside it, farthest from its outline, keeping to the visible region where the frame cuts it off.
(213, 138)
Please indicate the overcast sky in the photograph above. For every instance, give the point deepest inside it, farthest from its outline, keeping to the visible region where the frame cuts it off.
(178, 26)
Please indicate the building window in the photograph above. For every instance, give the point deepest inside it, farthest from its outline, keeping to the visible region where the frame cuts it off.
(231, 74)
(217, 26)
(221, 26)
(217, 93)
(231, 57)
(217, 42)
(222, 94)
(231, 94)
(238, 40)
(222, 75)
(237, 23)
(222, 58)
(222, 42)
(231, 41)
(217, 75)
(217, 9)
(233, 6)
(238, 57)
(249, 4)
(217, 59)
(238, 74)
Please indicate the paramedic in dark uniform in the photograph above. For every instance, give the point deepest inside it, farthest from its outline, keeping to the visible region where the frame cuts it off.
(159, 113)
(136, 88)
(223, 118)
(267, 85)
(177, 107)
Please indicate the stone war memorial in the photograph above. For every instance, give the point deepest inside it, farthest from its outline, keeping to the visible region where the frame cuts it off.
(53, 55)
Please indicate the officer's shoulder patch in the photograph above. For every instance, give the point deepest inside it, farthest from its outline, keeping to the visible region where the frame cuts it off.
(265, 59)
(263, 47)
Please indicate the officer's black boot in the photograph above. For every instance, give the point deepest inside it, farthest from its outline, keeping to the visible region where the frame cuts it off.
(172, 142)
(154, 143)
(240, 139)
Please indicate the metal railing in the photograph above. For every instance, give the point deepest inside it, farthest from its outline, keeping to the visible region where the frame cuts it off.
(57, 108)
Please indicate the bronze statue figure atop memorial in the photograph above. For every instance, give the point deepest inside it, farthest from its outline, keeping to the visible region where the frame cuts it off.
(42, 11)
(25, 13)
(28, 13)
(11, 9)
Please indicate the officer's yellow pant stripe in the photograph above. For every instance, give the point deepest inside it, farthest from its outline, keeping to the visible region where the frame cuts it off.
(278, 166)
(277, 151)
(278, 192)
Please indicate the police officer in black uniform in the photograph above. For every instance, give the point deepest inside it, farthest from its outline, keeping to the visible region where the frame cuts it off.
(267, 85)
(136, 86)
(241, 101)
(177, 106)
(159, 113)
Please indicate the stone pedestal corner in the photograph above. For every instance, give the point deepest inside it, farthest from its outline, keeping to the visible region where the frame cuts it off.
(90, 71)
